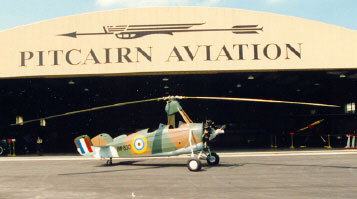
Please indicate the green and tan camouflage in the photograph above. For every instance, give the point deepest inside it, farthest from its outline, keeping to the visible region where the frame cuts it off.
(161, 142)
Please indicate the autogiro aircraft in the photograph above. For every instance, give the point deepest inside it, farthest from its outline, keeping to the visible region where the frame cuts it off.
(168, 140)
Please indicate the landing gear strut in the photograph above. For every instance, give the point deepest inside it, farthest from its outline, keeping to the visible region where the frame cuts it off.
(194, 164)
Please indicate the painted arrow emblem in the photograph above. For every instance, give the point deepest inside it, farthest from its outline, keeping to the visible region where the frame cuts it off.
(137, 31)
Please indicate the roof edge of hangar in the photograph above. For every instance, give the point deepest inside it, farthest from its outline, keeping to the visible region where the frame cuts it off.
(161, 7)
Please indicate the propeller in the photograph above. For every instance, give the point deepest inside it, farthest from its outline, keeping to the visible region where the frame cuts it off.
(170, 98)
(210, 131)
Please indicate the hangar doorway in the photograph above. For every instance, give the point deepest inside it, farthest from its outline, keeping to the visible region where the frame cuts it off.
(250, 125)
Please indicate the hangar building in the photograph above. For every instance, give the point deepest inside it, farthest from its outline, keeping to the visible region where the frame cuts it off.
(95, 59)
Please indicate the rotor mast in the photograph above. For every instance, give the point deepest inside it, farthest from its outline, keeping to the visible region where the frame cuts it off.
(172, 107)
(185, 117)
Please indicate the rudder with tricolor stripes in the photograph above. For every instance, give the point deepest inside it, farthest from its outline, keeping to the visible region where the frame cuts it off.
(84, 145)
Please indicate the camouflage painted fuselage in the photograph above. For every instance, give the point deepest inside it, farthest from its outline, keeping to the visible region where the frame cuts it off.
(161, 142)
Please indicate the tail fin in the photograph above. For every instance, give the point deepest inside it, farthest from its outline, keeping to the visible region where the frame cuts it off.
(84, 145)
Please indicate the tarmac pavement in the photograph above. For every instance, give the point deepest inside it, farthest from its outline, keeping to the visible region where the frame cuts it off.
(266, 174)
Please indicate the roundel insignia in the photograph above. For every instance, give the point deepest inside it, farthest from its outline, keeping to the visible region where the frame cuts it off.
(139, 144)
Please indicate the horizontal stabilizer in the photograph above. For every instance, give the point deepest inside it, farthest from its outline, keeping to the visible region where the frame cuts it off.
(102, 139)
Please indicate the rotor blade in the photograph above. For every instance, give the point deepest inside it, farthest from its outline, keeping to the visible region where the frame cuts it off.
(260, 100)
(87, 110)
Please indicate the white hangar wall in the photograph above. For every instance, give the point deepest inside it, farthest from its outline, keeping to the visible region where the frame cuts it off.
(171, 40)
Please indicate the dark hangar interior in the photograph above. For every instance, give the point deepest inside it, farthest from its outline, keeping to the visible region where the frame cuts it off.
(249, 124)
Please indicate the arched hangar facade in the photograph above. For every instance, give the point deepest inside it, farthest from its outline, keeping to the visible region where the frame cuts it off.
(100, 58)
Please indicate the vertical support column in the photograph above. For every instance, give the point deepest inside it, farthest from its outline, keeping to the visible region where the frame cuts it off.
(353, 144)
(348, 146)
(292, 140)
(275, 141)
(13, 147)
(9, 141)
(329, 142)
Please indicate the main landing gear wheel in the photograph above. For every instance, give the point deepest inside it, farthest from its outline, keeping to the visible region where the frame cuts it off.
(194, 164)
(213, 159)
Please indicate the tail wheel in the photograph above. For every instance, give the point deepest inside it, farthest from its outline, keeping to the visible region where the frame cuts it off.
(109, 162)
(1, 150)
(213, 159)
(194, 164)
